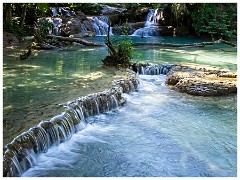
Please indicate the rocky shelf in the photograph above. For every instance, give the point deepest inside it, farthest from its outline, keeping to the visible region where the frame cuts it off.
(202, 80)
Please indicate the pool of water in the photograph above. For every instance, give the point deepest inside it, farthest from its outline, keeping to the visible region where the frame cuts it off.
(147, 137)
(217, 55)
(159, 132)
(32, 89)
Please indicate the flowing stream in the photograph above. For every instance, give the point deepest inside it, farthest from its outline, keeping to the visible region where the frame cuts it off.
(158, 132)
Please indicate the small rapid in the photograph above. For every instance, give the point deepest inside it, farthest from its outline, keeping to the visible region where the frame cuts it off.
(157, 133)
(21, 153)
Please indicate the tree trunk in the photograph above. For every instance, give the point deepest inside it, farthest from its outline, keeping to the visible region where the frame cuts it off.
(77, 40)
(8, 13)
(24, 12)
(37, 36)
(109, 44)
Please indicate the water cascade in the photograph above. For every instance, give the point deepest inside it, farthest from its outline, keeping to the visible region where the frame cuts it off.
(152, 69)
(60, 11)
(56, 22)
(151, 25)
(22, 152)
(100, 25)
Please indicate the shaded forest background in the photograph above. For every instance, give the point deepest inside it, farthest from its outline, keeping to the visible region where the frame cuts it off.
(206, 20)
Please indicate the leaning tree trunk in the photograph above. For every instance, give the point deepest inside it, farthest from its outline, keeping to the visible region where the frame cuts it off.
(113, 58)
(37, 36)
(109, 44)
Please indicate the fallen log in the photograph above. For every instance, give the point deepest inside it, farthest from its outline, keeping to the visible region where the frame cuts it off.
(44, 46)
(227, 42)
(202, 44)
(77, 40)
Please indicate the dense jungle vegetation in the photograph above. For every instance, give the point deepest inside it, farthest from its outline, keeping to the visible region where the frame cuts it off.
(212, 20)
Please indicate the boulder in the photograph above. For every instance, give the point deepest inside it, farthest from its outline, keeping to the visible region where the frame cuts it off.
(75, 25)
(72, 26)
(9, 39)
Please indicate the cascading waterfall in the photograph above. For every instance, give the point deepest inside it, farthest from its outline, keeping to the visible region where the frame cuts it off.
(100, 25)
(152, 69)
(56, 22)
(151, 25)
(22, 152)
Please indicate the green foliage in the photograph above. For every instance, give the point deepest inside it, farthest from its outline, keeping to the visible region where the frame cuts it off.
(42, 7)
(121, 52)
(86, 8)
(125, 51)
(217, 20)
(125, 47)
(43, 26)
(134, 6)
(14, 28)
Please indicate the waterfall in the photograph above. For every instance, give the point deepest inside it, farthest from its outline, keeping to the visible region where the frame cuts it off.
(21, 153)
(54, 11)
(56, 22)
(152, 69)
(100, 25)
(151, 26)
(60, 11)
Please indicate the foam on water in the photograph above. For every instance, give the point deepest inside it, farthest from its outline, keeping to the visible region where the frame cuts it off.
(159, 132)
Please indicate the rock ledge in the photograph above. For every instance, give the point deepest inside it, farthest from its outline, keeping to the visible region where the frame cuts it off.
(202, 80)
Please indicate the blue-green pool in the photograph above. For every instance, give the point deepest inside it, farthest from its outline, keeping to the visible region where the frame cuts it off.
(159, 132)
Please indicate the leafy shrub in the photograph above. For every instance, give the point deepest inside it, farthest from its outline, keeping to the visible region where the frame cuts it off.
(14, 28)
(44, 25)
(217, 20)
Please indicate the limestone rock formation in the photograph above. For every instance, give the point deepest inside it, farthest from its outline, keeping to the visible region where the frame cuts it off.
(202, 81)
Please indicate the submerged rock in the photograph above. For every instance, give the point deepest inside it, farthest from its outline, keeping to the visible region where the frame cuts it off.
(202, 81)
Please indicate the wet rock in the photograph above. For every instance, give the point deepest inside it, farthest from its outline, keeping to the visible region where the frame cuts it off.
(77, 27)
(9, 39)
(9, 168)
(151, 69)
(46, 125)
(111, 10)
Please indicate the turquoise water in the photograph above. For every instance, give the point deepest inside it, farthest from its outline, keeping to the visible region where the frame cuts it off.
(158, 133)
(218, 55)
(32, 89)
(147, 137)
